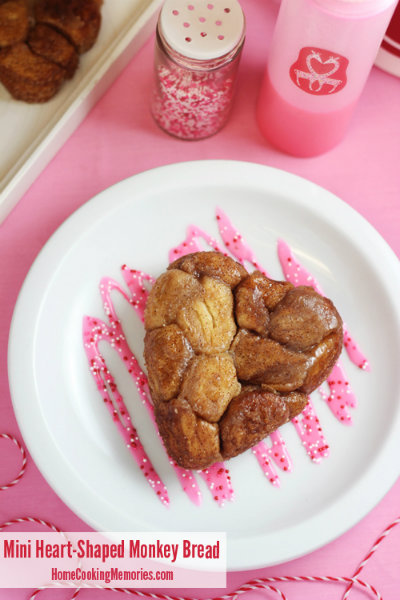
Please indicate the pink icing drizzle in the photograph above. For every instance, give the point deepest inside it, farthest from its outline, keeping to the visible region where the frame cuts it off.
(217, 476)
(218, 480)
(353, 351)
(341, 395)
(311, 436)
(237, 246)
(95, 331)
(293, 271)
(310, 432)
(115, 336)
(192, 243)
(234, 241)
(276, 452)
(298, 275)
(136, 282)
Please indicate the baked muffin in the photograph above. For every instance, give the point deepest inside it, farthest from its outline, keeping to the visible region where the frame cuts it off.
(231, 356)
(40, 44)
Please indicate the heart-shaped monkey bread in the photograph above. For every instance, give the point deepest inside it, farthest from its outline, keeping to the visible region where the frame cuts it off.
(231, 356)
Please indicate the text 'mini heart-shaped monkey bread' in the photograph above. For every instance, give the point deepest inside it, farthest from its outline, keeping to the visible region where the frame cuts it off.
(231, 356)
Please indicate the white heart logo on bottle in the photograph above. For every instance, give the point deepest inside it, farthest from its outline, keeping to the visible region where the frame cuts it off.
(319, 72)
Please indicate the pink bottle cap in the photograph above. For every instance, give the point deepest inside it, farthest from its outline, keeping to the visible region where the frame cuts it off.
(202, 29)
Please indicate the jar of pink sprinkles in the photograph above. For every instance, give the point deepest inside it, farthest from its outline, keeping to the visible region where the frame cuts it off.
(197, 54)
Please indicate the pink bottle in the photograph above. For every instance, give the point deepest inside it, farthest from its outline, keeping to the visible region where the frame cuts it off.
(320, 57)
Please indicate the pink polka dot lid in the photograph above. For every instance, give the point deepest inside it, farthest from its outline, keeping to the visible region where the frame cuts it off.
(202, 29)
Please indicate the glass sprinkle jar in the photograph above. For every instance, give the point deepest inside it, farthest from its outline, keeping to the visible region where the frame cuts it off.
(197, 53)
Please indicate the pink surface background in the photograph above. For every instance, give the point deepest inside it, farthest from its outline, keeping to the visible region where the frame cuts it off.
(119, 139)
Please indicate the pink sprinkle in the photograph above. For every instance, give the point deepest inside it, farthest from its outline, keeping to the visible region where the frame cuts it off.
(210, 6)
(175, 12)
(186, 24)
(191, 108)
(218, 23)
(202, 19)
(227, 10)
(220, 37)
(188, 39)
(190, 7)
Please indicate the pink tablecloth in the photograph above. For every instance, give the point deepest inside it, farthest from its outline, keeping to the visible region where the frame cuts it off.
(119, 139)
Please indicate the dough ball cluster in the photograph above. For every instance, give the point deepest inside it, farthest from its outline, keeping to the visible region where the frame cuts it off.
(232, 356)
(41, 42)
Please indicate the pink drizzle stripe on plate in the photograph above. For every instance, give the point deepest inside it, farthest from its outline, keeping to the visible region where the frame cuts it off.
(218, 480)
(136, 282)
(217, 476)
(341, 395)
(310, 432)
(192, 243)
(276, 452)
(237, 247)
(235, 243)
(298, 275)
(307, 425)
(353, 351)
(95, 331)
(312, 437)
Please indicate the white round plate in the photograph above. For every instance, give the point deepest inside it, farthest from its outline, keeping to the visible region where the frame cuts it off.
(68, 430)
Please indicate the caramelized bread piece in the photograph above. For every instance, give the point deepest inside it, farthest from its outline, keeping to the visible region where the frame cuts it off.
(203, 309)
(48, 43)
(264, 361)
(14, 22)
(209, 323)
(255, 297)
(322, 358)
(210, 384)
(250, 308)
(296, 403)
(213, 264)
(78, 20)
(250, 417)
(303, 318)
(171, 293)
(190, 440)
(29, 77)
(167, 355)
(230, 356)
(272, 291)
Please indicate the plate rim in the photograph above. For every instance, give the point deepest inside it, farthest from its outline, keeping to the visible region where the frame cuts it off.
(384, 478)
